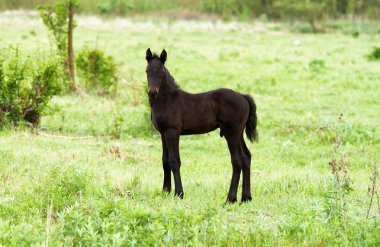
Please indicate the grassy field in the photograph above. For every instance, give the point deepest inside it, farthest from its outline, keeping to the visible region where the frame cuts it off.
(73, 184)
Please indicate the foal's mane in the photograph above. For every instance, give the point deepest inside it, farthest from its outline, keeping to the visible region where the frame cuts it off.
(171, 79)
(155, 56)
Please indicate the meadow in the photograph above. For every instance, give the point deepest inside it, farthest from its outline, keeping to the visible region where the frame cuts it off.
(72, 183)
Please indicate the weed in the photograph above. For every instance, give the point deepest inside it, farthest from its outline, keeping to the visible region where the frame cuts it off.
(337, 198)
(117, 122)
(66, 185)
(373, 189)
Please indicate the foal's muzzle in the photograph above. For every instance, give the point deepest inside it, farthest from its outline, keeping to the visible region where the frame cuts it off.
(153, 92)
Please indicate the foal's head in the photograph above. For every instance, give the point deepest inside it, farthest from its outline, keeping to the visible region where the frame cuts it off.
(155, 71)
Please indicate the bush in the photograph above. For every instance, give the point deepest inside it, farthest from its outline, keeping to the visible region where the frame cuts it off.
(375, 54)
(27, 83)
(98, 70)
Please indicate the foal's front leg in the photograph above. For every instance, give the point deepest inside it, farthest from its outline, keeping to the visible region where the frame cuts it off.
(166, 165)
(172, 143)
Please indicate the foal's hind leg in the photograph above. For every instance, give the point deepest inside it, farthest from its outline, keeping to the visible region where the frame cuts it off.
(236, 152)
(246, 193)
(166, 165)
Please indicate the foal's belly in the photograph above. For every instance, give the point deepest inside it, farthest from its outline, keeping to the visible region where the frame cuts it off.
(195, 131)
(199, 125)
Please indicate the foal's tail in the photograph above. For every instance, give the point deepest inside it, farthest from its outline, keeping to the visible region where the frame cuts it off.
(250, 127)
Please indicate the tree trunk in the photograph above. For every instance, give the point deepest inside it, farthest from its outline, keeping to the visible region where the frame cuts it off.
(343, 5)
(313, 26)
(70, 50)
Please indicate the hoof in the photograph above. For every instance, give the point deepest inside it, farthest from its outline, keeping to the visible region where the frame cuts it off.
(166, 189)
(246, 199)
(231, 200)
(179, 194)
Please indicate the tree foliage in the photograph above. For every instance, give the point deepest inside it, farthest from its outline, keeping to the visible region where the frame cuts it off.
(57, 17)
(54, 16)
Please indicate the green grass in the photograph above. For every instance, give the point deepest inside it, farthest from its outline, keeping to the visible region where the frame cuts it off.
(74, 191)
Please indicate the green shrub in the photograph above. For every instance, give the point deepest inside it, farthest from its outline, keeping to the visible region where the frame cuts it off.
(355, 34)
(98, 71)
(316, 65)
(375, 54)
(27, 83)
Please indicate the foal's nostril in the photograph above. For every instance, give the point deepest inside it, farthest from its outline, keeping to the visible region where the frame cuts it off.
(153, 92)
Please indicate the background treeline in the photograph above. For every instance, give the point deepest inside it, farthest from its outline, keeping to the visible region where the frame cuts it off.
(242, 9)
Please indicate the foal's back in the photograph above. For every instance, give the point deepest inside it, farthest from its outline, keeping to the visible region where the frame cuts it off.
(205, 112)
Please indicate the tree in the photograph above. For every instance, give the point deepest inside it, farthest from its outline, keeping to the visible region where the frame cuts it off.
(58, 17)
(306, 10)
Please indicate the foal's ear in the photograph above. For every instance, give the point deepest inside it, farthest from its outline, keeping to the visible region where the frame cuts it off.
(148, 55)
(163, 56)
